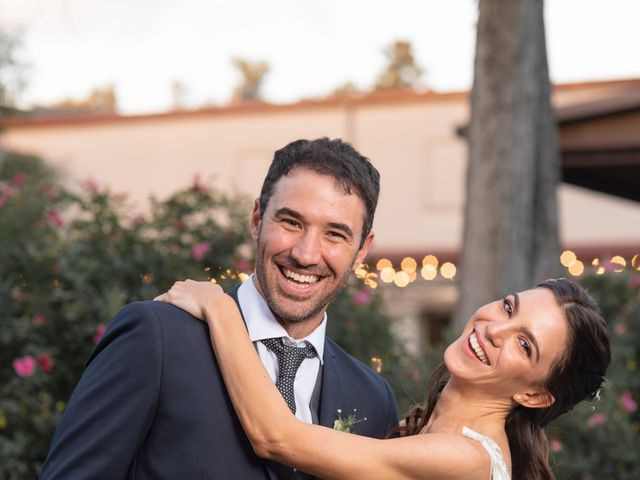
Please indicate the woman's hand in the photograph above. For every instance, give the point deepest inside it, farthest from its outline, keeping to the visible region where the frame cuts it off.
(197, 298)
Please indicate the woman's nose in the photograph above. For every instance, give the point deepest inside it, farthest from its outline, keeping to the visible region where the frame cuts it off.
(496, 331)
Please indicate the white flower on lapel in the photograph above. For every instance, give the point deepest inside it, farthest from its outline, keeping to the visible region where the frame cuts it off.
(345, 424)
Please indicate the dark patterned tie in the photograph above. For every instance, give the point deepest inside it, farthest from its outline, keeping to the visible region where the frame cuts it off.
(289, 360)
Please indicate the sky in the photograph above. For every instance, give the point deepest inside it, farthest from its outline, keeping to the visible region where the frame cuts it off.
(312, 46)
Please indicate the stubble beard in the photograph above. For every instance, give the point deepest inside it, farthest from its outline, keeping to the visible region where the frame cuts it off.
(283, 314)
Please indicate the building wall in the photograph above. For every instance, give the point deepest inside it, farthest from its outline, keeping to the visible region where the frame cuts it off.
(410, 138)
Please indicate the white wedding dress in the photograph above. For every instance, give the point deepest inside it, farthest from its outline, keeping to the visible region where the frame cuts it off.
(499, 469)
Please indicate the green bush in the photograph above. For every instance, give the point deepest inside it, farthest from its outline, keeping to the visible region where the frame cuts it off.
(601, 439)
(70, 261)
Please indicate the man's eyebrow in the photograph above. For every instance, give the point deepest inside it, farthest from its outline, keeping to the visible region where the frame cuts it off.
(343, 227)
(288, 211)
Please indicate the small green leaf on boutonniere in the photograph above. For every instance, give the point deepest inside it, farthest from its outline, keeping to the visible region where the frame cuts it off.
(345, 424)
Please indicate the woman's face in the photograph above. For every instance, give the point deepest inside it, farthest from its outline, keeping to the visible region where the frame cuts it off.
(508, 346)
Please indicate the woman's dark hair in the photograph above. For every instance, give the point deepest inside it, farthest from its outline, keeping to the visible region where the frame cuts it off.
(353, 172)
(575, 375)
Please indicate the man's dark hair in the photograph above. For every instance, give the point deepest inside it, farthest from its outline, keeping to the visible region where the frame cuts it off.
(335, 158)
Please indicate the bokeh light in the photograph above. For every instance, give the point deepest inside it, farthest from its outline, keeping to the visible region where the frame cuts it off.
(635, 261)
(383, 263)
(577, 268)
(618, 263)
(387, 274)
(429, 272)
(361, 271)
(401, 279)
(448, 270)
(408, 264)
(430, 260)
(568, 258)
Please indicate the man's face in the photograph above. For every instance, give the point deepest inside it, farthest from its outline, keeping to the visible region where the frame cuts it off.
(308, 241)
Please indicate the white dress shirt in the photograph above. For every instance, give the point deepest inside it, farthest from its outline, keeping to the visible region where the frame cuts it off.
(262, 324)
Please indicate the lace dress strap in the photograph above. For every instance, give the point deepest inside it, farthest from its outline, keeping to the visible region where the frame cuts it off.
(499, 470)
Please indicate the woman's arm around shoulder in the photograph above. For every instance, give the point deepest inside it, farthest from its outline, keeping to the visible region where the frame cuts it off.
(276, 434)
(337, 455)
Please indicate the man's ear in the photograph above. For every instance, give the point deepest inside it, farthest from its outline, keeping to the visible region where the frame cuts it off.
(256, 218)
(542, 399)
(364, 250)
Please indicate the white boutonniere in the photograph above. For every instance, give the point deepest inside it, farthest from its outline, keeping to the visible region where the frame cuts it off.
(345, 424)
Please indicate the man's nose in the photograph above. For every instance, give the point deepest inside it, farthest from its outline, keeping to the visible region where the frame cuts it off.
(306, 250)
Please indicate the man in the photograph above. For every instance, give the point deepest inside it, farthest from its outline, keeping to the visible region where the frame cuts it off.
(152, 404)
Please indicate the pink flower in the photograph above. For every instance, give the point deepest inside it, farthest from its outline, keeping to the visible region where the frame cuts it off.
(361, 297)
(54, 217)
(243, 265)
(175, 249)
(199, 250)
(45, 362)
(24, 366)
(555, 445)
(620, 329)
(99, 333)
(39, 319)
(627, 402)
(51, 192)
(121, 196)
(177, 224)
(596, 419)
(18, 179)
(91, 185)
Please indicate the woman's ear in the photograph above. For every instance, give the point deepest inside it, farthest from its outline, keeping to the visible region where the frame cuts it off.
(541, 399)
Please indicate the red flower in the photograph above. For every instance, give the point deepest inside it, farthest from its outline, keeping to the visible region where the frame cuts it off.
(597, 419)
(627, 402)
(361, 297)
(24, 366)
(99, 333)
(45, 362)
(39, 319)
(18, 179)
(199, 250)
(243, 265)
(555, 445)
(54, 217)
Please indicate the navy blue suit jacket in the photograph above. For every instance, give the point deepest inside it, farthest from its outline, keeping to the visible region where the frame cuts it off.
(151, 404)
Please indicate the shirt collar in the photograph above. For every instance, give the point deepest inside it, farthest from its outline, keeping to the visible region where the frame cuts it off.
(262, 324)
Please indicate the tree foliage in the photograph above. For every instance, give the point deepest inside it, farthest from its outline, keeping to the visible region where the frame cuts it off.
(402, 71)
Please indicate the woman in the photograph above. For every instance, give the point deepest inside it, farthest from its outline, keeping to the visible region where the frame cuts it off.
(519, 363)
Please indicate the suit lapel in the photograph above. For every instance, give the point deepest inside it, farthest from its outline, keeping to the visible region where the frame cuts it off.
(269, 467)
(331, 396)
